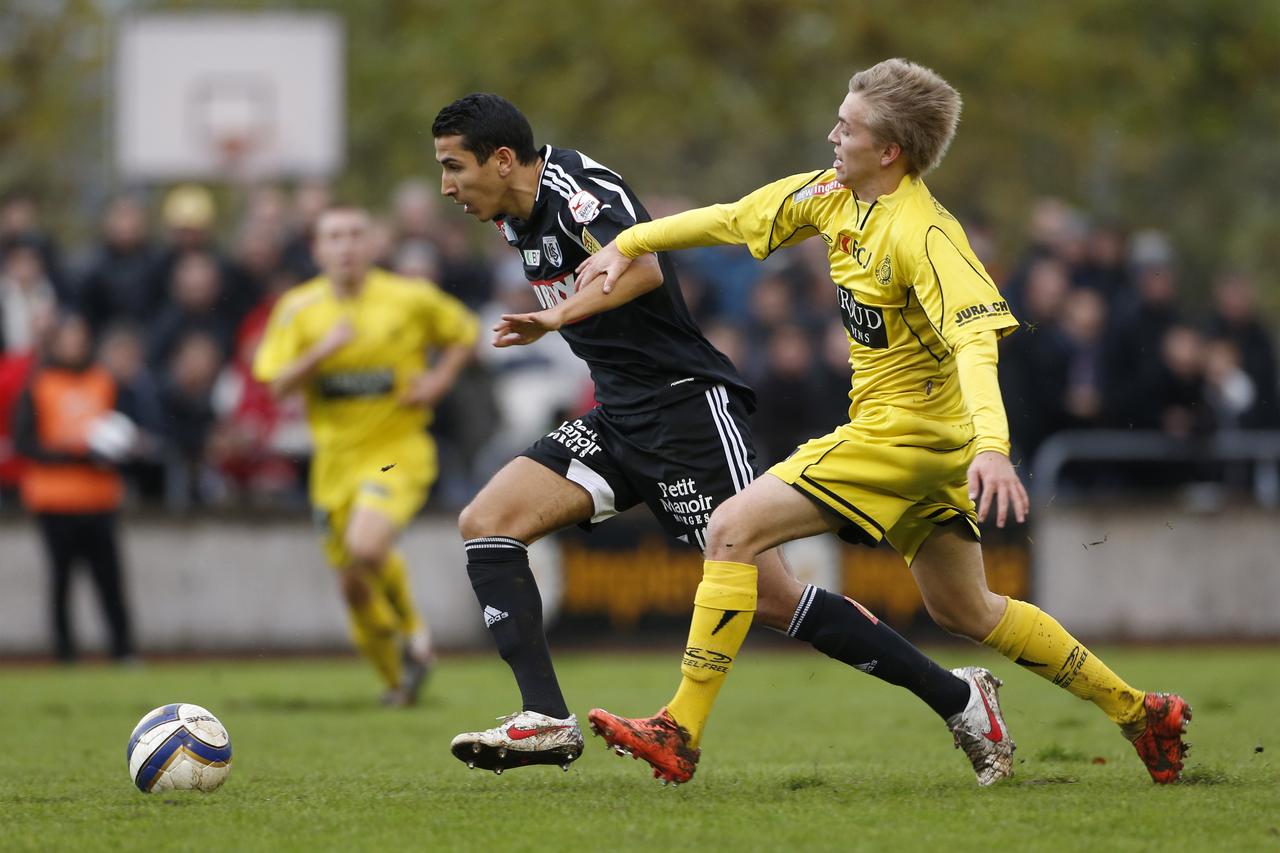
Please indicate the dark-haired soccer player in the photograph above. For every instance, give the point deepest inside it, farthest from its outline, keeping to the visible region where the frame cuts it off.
(927, 432)
(355, 342)
(670, 431)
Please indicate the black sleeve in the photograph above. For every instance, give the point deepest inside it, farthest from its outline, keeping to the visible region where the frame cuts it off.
(26, 438)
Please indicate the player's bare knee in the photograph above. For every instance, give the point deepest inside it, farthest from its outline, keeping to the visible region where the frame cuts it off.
(365, 556)
(730, 535)
(484, 517)
(472, 521)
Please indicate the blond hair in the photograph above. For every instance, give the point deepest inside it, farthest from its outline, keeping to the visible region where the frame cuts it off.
(912, 106)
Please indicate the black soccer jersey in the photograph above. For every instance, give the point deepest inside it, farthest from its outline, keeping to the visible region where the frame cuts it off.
(635, 352)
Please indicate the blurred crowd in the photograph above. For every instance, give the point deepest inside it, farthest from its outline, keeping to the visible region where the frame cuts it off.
(176, 292)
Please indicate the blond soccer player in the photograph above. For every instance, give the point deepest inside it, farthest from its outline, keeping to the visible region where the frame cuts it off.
(927, 435)
(355, 341)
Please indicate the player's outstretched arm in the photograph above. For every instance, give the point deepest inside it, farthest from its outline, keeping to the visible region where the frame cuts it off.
(751, 221)
(588, 300)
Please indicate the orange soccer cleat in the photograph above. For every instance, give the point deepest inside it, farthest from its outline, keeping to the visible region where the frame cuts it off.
(659, 740)
(1160, 744)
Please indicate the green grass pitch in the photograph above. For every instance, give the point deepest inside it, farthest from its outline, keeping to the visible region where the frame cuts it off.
(802, 754)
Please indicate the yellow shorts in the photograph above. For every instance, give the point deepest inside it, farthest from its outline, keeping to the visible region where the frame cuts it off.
(392, 479)
(891, 473)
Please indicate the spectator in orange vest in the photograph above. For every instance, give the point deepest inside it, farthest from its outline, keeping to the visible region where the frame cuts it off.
(66, 426)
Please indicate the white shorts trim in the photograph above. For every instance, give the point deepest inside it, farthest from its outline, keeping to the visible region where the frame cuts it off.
(598, 487)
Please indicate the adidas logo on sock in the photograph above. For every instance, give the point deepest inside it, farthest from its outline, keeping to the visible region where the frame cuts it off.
(868, 666)
(493, 615)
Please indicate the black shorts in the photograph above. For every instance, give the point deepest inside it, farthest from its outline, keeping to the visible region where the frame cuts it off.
(681, 460)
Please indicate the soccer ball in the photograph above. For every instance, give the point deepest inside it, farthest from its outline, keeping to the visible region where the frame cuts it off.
(179, 747)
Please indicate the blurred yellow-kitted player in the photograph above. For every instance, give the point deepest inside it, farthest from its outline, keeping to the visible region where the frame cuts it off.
(355, 341)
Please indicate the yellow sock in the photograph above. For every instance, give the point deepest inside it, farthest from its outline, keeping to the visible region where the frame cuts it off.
(394, 580)
(373, 628)
(1033, 639)
(722, 611)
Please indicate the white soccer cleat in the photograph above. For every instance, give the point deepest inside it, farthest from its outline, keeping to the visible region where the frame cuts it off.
(980, 730)
(522, 739)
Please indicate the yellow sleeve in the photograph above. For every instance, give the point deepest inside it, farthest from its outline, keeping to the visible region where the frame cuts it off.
(281, 342)
(955, 291)
(763, 221)
(976, 359)
(447, 320)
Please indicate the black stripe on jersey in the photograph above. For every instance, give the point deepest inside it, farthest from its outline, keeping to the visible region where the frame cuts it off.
(778, 212)
(863, 225)
(942, 291)
(844, 503)
(982, 274)
(939, 449)
(902, 312)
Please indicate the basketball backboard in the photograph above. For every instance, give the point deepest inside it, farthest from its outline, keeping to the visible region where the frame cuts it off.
(229, 96)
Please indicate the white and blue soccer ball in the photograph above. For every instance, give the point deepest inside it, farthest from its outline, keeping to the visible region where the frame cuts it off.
(179, 747)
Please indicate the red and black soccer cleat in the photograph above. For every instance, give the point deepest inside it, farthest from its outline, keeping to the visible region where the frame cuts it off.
(659, 740)
(1160, 744)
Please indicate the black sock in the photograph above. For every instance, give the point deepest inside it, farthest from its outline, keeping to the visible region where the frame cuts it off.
(499, 570)
(845, 631)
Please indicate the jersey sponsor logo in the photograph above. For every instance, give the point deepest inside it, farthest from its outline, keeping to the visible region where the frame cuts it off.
(815, 190)
(579, 438)
(532, 257)
(967, 315)
(551, 292)
(584, 206)
(884, 272)
(848, 244)
(551, 248)
(589, 242)
(865, 323)
(683, 500)
(355, 383)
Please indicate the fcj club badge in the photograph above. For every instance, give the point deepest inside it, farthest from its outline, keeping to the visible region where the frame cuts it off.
(551, 248)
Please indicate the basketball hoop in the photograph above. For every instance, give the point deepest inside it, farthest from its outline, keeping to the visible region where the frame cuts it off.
(233, 154)
(234, 115)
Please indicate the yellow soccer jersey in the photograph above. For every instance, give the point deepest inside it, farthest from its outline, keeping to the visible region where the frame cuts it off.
(354, 397)
(909, 287)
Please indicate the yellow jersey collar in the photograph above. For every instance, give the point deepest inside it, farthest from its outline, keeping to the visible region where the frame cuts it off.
(906, 187)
